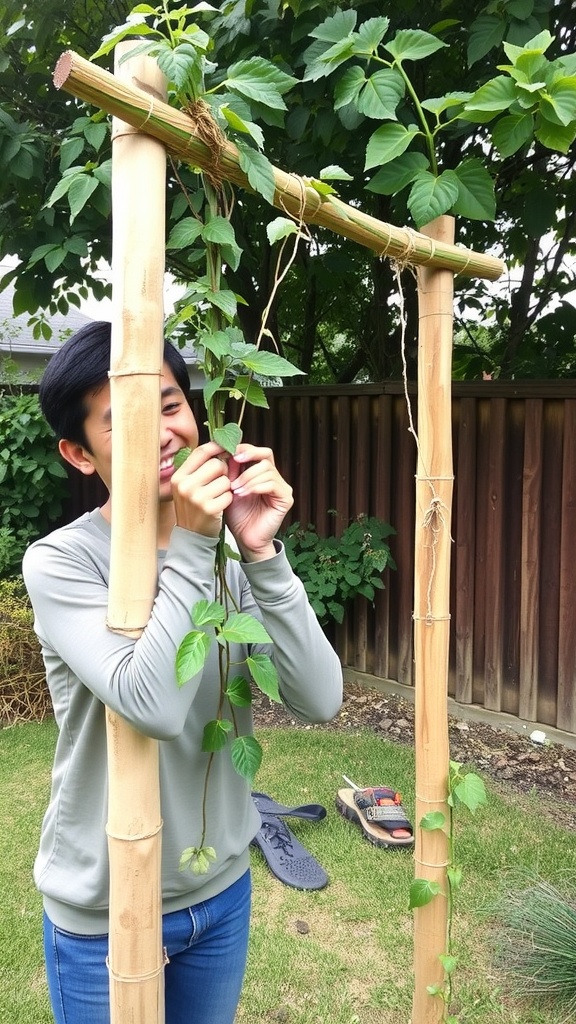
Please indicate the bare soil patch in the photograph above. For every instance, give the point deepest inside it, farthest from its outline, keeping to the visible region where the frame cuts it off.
(510, 759)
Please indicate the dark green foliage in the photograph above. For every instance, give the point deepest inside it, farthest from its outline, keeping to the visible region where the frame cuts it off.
(335, 569)
(33, 481)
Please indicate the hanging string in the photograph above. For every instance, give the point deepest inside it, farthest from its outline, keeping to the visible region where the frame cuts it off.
(435, 516)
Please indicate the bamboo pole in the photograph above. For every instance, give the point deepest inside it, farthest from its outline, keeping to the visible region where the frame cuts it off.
(134, 822)
(434, 482)
(174, 128)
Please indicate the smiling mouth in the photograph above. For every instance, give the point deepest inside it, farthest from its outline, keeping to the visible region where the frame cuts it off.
(166, 463)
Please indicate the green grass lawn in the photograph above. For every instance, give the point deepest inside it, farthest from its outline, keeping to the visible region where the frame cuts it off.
(353, 963)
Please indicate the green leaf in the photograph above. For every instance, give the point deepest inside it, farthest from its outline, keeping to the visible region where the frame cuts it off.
(257, 79)
(381, 94)
(220, 231)
(492, 98)
(95, 134)
(476, 199)
(264, 674)
(241, 628)
(70, 150)
(471, 792)
(334, 173)
(422, 892)
(217, 342)
(268, 364)
(258, 170)
(554, 136)
(197, 859)
(238, 692)
(437, 105)
(224, 300)
(211, 387)
(369, 36)
(348, 87)
(54, 258)
(512, 132)
(181, 456)
(485, 33)
(239, 124)
(228, 437)
(432, 821)
(449, 962)
(81, 188)
(215, 735)
(191, 655)
(335, 27)
(535, 46)
(208, 613)
(413, 44)
(280, 228)
(559, 103)
(182, 65)
(432, 196)
(133, 26)
(252, 391)
(394, 176)
(185, 233)
(454, 874)
(387, 143)
(246, 757)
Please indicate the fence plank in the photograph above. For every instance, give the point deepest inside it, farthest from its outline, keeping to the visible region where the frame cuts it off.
(531, 565)
(494, 548)
(464, 530)
(566, 631)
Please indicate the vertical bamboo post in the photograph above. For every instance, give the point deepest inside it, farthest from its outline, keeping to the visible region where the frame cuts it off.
(434, 484)
(134, 823)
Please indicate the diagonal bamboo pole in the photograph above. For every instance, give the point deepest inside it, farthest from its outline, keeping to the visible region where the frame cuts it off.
(134, 822)
(434, 480)
(175, 129)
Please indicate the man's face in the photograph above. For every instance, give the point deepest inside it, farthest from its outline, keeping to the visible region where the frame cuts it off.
(177, 430)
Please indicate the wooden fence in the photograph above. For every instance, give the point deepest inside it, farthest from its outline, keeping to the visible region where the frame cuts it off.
(349, 450)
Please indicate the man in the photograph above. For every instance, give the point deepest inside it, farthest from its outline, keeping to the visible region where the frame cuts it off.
(205, 917)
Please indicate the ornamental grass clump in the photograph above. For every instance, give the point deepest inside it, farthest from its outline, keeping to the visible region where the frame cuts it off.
(24, 696)
(536, 946)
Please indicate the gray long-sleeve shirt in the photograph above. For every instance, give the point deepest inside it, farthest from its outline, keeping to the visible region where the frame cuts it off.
(89, 667)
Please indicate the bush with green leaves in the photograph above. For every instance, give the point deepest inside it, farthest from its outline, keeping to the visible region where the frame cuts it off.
(33, 481)
(335, 569)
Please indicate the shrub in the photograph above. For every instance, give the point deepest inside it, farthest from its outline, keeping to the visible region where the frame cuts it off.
(33, 481)
(24, 695)
(335, 569)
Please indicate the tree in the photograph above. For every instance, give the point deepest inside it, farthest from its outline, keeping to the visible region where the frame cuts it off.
(336, 315)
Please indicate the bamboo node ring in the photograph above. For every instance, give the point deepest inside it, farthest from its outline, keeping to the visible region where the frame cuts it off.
(429, 618)
(135, 979)
(135, 838)
(134, 373)
(427, 864)
(427, 478)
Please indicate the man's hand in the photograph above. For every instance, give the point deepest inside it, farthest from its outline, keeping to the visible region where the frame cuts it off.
(260, 500)
(201, 490)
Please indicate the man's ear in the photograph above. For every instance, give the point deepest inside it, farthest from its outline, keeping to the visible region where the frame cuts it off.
(77, 456)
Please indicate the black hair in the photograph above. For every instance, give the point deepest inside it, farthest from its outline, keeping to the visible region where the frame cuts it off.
(80, 368)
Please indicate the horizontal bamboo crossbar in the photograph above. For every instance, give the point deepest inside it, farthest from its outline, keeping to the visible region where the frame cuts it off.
(294, 195)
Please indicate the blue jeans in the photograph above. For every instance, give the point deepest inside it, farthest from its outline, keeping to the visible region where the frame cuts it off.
(206, 945)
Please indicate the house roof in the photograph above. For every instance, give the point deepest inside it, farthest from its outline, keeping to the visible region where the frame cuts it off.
(16, 336)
